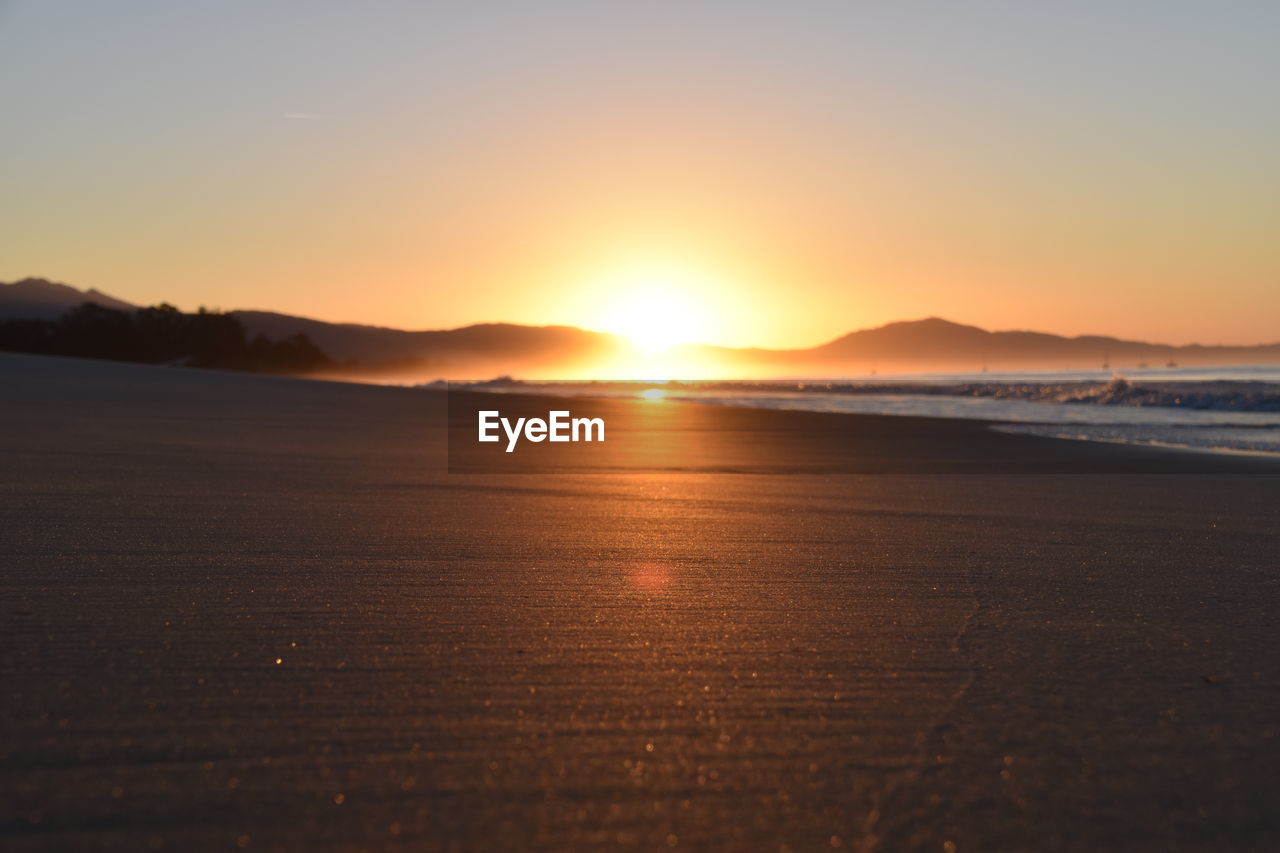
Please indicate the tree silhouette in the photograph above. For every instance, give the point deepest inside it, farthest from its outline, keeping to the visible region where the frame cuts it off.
(162, 335)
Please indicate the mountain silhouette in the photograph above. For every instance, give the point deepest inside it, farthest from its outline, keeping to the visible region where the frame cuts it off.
(41, 299)
(492, 345)
(935, 341)
(486, 349)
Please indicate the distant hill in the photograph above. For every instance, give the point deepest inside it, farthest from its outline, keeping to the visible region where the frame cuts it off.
(933, 343)
(40, 299)
(490, 349)
(473, 351)
(477, 350)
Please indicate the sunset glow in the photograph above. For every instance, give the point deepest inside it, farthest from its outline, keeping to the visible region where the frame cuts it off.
(654, 309)
(778, 179)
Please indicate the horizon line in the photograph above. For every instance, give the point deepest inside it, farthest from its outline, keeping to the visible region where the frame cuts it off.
(752, 347)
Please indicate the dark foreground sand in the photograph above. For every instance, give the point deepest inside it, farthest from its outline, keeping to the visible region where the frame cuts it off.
(251, 611)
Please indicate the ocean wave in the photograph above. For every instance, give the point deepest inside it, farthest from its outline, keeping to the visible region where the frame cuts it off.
(1230, 437)
(1214, 396)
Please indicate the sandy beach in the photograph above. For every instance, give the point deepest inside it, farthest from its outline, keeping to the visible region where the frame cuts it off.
(252, 612)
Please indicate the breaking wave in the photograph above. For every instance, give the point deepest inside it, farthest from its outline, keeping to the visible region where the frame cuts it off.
(1214, 396)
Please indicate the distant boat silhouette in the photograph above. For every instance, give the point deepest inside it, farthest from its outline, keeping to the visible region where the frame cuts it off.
(1172, 364)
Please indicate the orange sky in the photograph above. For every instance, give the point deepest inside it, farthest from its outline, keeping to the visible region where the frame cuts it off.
(773, 177)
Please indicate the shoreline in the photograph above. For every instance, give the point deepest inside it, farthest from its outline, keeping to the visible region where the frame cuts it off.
(108, 368)
(1258, 412)
(820, 443)
(1167, 445)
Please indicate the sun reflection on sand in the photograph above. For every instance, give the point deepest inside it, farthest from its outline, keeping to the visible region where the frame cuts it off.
(650, 576)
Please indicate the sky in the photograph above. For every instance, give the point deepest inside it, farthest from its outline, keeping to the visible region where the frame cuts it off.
(739, 173)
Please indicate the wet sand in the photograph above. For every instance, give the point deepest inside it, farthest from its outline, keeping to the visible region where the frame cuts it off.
(259, 612)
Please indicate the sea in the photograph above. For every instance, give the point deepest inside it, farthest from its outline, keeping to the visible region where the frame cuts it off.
(1222, 409)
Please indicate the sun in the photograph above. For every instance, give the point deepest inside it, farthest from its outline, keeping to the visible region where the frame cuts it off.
(654, 321)
(655, 311)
